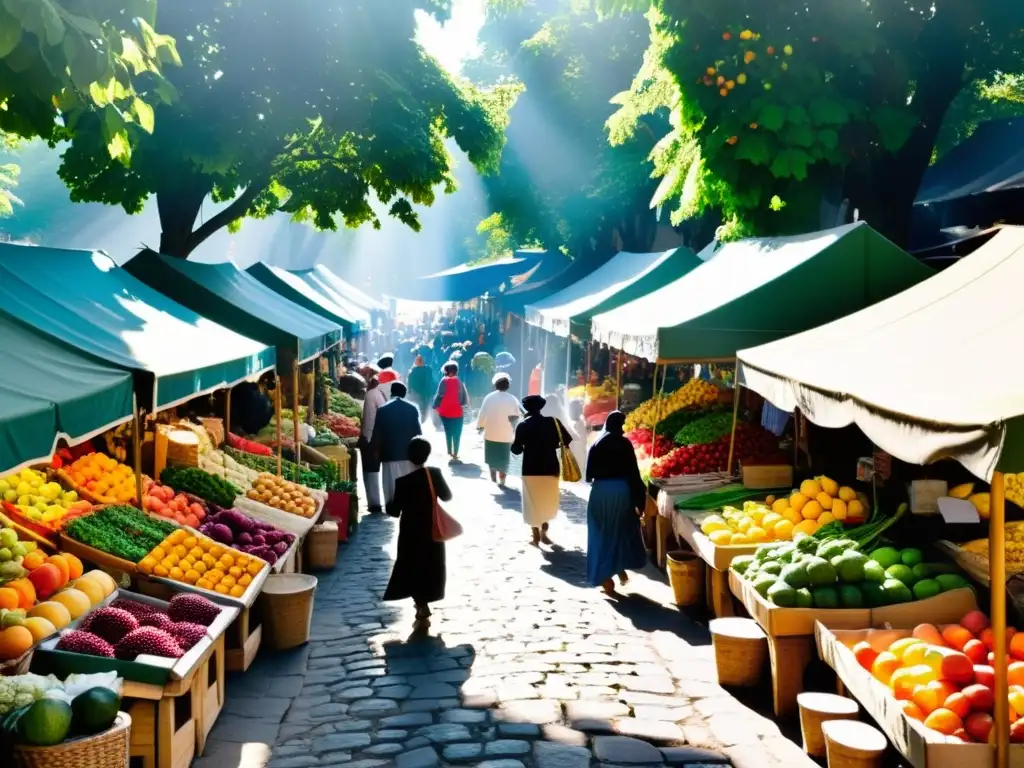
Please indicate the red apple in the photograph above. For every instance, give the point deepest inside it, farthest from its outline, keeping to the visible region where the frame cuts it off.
(979, 725)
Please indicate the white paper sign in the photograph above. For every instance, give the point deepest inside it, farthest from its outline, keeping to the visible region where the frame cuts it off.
(957, 510)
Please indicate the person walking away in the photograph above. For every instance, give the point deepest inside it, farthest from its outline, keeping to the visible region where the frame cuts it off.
(370, 460)
(450, 402)
(398, 422)
(421, 382)
(538, 439)
(498, 414)
(614, 540)
(419, 571)
(387, 374)
(580, 431)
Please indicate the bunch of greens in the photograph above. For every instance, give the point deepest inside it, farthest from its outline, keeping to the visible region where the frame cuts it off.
(863, 535)
(269, 464)
(726, 496)
(706, 429)
(676, 420)
(193, 480)
(345, 404)
(121, 531)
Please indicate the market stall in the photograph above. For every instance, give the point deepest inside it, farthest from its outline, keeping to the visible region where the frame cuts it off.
(749, 292)
(886, 369)
(298, 291)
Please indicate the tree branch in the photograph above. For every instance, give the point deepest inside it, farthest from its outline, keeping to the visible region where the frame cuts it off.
(236, 210)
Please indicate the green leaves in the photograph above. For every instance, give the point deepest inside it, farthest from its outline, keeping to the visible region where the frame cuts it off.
(771, 117)
(894, 125)
(791, 163)
(828, 111)
(10, 35)
(754, 149)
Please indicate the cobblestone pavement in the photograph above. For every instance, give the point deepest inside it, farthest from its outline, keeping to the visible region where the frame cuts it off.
(525, 665)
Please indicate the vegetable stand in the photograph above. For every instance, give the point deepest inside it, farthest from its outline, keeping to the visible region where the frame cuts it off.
(716, 561)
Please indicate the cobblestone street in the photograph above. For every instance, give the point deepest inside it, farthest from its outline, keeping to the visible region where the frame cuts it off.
(524, 665)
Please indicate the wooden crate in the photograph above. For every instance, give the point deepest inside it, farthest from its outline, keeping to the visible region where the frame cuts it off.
(242, 641)
(717, 559)
(164, 722)
(212, 683)
(761, 477)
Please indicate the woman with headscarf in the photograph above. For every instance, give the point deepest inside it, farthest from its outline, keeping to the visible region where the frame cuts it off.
(614, 540)
(419, 571)
(421, 382)
(370, 458)
(450, 403)
(538, 439)
(498, 413)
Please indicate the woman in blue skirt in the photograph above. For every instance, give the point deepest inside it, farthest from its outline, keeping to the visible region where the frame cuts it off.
(617, 500)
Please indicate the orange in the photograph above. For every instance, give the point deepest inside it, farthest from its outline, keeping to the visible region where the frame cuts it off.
(204, 584)
(191, 577)
(40, 628)
(9, 598)
(943, 721)
(927, 699)
(75, 566)
(884, 666)
(905, 680)
(220, 588)
(160, 570)
(15, 642)
(1014, 674)
(956, 636)
(33, 560)
(865, 654)
(255, 567)
(910, 709)
(958, 704)
(26, 592)
(62, 566)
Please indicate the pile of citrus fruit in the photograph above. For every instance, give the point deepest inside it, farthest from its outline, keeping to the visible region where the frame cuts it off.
(106, 479)
(195, 559)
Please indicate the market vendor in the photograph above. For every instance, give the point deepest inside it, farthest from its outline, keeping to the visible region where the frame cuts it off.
(387, 375)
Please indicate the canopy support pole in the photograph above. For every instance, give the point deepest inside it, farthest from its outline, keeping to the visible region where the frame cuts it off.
(310, 414)
(618, 379)
(568, 361)
(277, 412)
(296, 424)
(997, 585)
(586, 378)
(227, 412)
(544, 366)
(137, 450)
(522, 358)
(657, 418)
(735, 421)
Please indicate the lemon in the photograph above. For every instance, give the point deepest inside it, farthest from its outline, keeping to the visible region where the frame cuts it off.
(828, 485)
(757, 535)
(839, 509)
(721, 538)
(810, 488)
(797, 501)
(768, 521)
(824, 500)
(780, 505)
(744, 524)
(825, 519)
(811, 511)
(847, 494)
(807, 527)
(739, 539)
(783, 530)
(712, 524)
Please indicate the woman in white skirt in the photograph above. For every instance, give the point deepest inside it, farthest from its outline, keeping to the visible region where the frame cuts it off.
(537, 440)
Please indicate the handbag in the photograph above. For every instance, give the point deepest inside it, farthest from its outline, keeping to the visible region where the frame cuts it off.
(445, 526)
(570, 467)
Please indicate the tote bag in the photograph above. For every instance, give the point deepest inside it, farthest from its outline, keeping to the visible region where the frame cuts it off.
(570, 467)
(445, 526)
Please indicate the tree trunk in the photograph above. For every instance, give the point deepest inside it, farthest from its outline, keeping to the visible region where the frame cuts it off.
(178, 202)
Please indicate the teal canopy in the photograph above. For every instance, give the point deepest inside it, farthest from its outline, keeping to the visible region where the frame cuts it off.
(85, 300)
(296, 290)
(322, 276)
(237, 300)
(50, 391)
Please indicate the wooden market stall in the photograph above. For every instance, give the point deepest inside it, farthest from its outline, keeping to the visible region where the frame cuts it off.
(746, 293)
(888, 369)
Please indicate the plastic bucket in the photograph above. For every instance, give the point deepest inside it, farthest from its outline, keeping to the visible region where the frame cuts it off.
(686, 575)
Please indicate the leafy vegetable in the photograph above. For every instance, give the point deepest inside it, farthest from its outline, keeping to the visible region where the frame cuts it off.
(310, 479)
(193, 480)
(706, 429)
(124, 532)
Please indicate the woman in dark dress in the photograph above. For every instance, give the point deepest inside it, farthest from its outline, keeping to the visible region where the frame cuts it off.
(537, 441)
(419, 571)
(614, 540)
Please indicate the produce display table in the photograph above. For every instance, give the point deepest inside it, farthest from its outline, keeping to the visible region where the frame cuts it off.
(921, 747)
(791, 631)
(212, 684)
(716, 559)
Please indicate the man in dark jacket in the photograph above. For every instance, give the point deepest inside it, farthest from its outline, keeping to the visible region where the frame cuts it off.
(397, 422)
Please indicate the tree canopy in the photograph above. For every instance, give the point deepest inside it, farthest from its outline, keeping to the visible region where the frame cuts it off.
(561, 185)
(310, 106)
(775, 105)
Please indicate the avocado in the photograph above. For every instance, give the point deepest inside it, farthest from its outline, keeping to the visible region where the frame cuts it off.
(921, 571)
(831, 549)
(850, 596)
(95, 710)
(851, 567)
(950, 581)
(804, 599)
(782, 594)
(825, 597)
(742, 563)
(886, 556)
(912, 556)
(926, 588)
(763, 583)
(820, 572)
(901, 573)
(807, 545)
(873, 571)
(873, 595)
(895, 591)
(774, 567)
(795, 574)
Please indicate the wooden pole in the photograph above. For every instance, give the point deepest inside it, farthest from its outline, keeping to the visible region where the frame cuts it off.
(277, 412)
(310, 414)
(997, 586)
(586, 377)
(137, 450)
(522, 359)
(296, 423)
(796, 438)
(227, 413)
(735, 421)
(618, 379)
(568, 361)
(657, 411)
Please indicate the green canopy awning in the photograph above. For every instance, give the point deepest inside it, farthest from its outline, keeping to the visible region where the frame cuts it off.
(50, 391)
(627, 277)
(229, 296)
(298, 291)
(85, 300)
(324, 276)
(759, 290)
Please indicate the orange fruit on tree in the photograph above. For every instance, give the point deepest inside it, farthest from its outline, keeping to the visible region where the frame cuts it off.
(15, 642)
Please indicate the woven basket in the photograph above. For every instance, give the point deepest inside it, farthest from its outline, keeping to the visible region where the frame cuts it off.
(182, 447)
(215, 429)
(741, 650)
(851, 744)
(18, 666)
(322, 547)
(105, 750)
(287, 609)
(817, 709)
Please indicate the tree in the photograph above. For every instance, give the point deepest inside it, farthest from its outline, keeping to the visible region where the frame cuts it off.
(561, 185)
(981, 101)
(60, 59)
(309, 107)
(775, 104)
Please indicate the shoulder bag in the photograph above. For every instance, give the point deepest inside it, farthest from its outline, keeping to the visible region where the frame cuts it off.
(445, 526)
(570, 467)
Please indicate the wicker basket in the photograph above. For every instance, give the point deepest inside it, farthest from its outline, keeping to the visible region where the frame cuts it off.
(18, 666)
(215, 429)
(287, 609)
(817, 709)
(182, 447)
(105, 750)
(850, 744)
(322, 546)
(741, 650)
(686, 575)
